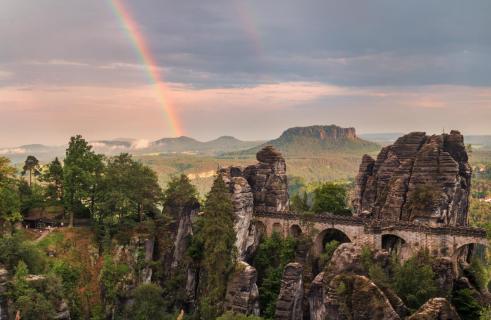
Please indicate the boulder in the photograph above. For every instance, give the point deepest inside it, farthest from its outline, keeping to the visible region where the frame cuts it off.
(242, 292)
(435, 309)
(346, 258)
(418, 178)
(290, 299)
(351, 296)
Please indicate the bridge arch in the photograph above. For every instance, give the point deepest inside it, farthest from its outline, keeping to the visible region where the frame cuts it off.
(468, 250)
(295, 231)
(278, 228)
(395, 243)
(326, 236)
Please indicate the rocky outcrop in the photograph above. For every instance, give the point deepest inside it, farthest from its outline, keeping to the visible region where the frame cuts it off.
(242, 292)
(418, 178)
(3, 291)
(243, 202)
(289, 303)
(137, 255)
(184, 231)
(346, 258)
(443, 268)
(316, 298)
(350, 296)
(268, 181)
(262, 187)
(435, 309)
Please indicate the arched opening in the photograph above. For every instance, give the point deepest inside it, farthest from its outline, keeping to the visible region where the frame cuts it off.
(327, 236)
(469, 251)
(295, 231)
(393, 244)
(259, 229)
(278, 228)
(325, 244)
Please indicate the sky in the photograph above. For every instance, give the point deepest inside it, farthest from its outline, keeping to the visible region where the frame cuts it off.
(248, 68)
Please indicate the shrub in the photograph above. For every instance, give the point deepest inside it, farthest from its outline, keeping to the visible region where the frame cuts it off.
(148, 302)
(414, 280)
(466, 305)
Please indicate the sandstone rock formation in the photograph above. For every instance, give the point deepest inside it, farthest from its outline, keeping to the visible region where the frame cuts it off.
(243, 202)
(3, 291)
(289, 303)
(351, 296)
(242, 292)
(418, 178)
(435, 309)
(262, 187)
(268, 181)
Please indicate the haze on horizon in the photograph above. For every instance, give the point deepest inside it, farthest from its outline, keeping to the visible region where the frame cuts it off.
(244, 68)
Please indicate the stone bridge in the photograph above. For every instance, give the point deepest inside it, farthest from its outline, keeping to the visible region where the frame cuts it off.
(405, 237)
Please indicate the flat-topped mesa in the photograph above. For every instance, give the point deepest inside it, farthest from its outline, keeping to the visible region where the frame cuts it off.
(419, 178)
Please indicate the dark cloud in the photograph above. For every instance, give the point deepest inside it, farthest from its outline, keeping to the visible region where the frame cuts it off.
(237, 43)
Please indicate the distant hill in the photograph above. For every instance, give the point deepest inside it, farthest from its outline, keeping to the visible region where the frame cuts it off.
(189, 145)
(317, 141)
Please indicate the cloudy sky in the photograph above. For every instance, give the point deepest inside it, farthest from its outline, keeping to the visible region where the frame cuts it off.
(246, 68)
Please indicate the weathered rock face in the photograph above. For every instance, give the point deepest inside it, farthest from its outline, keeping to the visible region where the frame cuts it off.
(316, 298)
(418, 178)
(242, 292)
(243, 202)
(289, 303)
(445, 275)
(184, 230)
(436, 309)
(139, 249)
(262, 187)
(3, 291)
(268, 181)
(346, 258)
(350, 296)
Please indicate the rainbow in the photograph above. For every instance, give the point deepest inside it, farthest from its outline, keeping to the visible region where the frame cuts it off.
(151, 66)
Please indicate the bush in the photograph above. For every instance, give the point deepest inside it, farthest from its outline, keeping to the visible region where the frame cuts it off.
(332, 198)
(271, 258)
(329, 249)
(149, 303)
(14, 249)
(414, 281)
(237, 316)
(466, 305)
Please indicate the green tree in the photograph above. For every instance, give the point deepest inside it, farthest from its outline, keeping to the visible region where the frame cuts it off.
(81, 175)
(53, 176)
(179, 195)
(148, 303)
(237, 316)
(9, 195)
(31, 197)
(218, 237)
(273, 254)
(299, 203)
(466, 304)
(31, 166)
(130, 189)
(414, 280)
(330, 197)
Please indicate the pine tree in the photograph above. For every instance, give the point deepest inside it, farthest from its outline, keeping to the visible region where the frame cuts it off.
(218, 236)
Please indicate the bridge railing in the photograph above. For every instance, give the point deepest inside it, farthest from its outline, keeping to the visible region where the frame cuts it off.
(377, 225)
